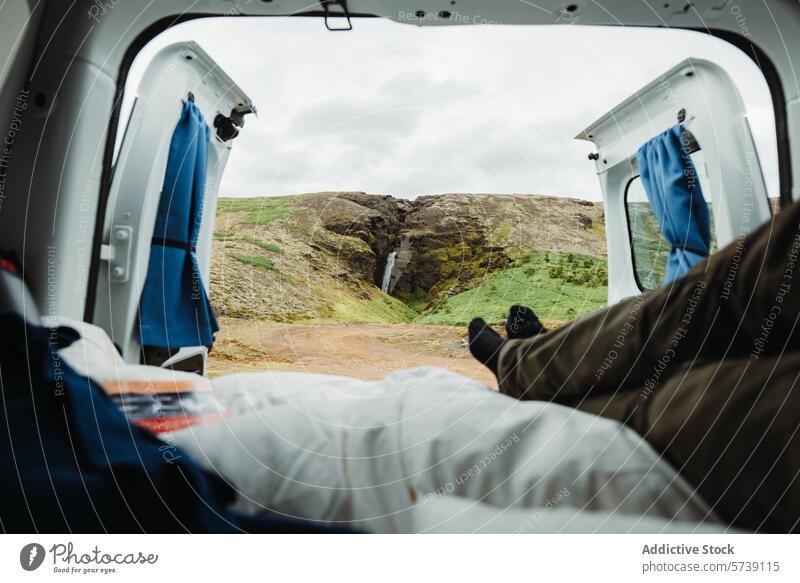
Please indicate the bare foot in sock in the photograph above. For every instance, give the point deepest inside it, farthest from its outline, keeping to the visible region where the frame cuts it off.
(485, 344)
(523, 323)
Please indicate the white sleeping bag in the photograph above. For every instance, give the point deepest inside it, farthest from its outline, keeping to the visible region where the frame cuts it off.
(422, 450)
(374, 454)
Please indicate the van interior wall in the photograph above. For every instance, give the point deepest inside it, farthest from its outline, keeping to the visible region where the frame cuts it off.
(19, 24)
(54, 178)
(18, 27)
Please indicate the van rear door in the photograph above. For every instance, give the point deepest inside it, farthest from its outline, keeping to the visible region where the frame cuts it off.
(177, 72)
(704, 96)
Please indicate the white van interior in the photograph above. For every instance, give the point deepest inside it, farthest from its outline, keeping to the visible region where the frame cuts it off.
(80, 182)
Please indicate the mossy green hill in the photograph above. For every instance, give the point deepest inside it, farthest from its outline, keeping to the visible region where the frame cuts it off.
(322, 257)
(558, 286)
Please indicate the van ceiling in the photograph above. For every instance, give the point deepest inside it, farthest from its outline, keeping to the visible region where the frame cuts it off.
(104, 30)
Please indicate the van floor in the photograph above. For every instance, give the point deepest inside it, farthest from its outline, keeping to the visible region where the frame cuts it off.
(364, 351)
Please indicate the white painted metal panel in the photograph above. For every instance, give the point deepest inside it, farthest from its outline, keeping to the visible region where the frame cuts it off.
(174, 72)
(715, 116)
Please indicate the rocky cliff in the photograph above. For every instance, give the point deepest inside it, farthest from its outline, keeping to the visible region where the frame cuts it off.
(323, 256)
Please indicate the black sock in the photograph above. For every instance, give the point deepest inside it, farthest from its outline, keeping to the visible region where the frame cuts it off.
(523, 323)
(485, 344)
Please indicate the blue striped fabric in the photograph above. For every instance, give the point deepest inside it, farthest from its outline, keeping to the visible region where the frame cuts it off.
(673, 189)
(175, 310)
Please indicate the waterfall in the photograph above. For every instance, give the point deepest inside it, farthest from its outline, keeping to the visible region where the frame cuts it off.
(387, 273)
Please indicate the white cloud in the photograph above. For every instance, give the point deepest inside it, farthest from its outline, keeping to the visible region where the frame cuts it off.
(405, 110)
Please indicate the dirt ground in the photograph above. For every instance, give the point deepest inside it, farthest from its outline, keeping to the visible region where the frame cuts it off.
(365, 351)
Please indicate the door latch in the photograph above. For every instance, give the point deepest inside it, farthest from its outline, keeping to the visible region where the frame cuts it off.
(228, 126)
(326, 8)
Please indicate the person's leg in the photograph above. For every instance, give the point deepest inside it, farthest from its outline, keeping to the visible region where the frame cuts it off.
(485, 343)
(523, 323)
(731, 428)
(744, 300)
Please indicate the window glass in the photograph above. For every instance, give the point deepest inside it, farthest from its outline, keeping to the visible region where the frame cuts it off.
(650, 249)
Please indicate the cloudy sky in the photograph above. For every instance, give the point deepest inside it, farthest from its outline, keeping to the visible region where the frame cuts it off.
(406, 110)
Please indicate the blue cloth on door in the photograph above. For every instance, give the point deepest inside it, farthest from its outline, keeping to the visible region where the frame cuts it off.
(175, 310)
(71, 463)
(673, 189)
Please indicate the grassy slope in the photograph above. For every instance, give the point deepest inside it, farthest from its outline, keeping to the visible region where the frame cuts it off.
(558, 286)
(254, 261)
(382, 309)
(261, 210)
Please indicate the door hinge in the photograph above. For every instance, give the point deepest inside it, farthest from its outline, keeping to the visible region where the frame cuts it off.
(117, 253)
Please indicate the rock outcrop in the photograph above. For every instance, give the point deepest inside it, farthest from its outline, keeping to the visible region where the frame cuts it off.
(305, 256)
(376, 220)
(455, 240)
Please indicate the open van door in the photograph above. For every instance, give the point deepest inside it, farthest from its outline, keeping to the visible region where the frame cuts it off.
(701, 96)
(178, 74)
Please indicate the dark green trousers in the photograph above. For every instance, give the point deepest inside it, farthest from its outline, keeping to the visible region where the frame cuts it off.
(706, 369)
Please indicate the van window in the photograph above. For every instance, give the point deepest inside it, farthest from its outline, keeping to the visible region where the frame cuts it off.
(649, 248)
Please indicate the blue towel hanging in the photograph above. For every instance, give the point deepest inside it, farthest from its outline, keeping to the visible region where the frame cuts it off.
(673, 189)
(175, 310)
